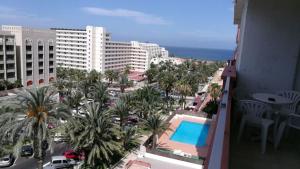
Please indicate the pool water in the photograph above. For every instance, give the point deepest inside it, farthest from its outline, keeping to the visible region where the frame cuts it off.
(191, 133)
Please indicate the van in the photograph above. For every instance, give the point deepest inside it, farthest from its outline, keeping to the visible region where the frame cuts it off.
(58, 162)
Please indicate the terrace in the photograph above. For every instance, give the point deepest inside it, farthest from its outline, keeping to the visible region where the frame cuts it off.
(266, 60)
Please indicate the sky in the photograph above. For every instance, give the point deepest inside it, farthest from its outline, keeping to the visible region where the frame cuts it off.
(184, 23)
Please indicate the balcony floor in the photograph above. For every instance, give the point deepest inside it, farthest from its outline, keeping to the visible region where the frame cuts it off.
(246, 154)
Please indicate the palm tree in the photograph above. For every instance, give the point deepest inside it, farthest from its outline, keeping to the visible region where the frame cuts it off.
(73, 100)
(214, 91)
(166, 81)
(156, 124)
(60, 86)
(151, 74)
(146, 101)
(130, 138)
(85, 87)
(123, 82)
(111, 75)
(127, 69)
(100, 94)
(38, 109)
(184, 89)
(94, 76)
(94, 134)
(122, 110)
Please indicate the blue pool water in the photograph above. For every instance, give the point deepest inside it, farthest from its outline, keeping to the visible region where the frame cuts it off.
(191, 133)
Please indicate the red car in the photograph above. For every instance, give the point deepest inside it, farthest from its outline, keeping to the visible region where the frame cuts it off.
(71, 154)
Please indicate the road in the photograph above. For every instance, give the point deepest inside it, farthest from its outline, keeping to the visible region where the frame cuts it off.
(31, 163)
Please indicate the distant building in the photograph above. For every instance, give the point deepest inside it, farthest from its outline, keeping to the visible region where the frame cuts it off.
(8, 68)
(35, 54)
(92, 48)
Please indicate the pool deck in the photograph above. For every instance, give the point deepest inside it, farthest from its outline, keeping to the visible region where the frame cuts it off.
(165, 142)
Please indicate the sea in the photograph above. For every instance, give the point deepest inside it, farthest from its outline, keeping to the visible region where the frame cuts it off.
(200, 53)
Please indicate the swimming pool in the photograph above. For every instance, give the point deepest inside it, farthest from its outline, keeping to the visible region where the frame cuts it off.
(191, 133)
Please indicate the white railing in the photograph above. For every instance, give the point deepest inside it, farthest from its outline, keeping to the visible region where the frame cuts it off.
(216, 156)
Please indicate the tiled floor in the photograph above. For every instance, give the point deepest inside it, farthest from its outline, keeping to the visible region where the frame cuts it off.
(246, 154)
(165, 142)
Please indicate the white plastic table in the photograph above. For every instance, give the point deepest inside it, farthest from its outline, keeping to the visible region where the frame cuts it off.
(271, 99)
(275, 101)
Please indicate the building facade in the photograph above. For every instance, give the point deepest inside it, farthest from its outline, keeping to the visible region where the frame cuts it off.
(8, 68)
(35, 55)
(92, 48)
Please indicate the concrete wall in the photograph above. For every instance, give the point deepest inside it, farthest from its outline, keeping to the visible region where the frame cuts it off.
(44, 36)
(269, 46)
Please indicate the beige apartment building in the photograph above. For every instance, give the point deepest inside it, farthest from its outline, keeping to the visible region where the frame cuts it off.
(35, 54)
(8, 69)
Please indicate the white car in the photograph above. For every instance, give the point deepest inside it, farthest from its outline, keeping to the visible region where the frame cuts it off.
(7, 161)
(58, 162)
(112, 93)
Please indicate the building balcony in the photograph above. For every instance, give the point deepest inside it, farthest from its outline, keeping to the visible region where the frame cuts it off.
(9, 42)
(10, 61)
(28, 52)
(8, 70)
(28, 68)
(226, 152)
(28, 60)
(9, 52)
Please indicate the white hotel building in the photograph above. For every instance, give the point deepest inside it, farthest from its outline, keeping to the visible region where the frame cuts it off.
(92, 48)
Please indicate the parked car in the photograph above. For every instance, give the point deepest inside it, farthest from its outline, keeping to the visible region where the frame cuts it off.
(59, 137)
(7, 160)
(71, 154)
(58, 162)
(26, 150)
(51, 126)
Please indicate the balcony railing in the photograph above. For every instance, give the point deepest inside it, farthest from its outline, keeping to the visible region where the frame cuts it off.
(218, 154)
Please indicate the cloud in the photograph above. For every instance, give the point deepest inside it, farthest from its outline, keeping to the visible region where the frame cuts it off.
(137, 16)
(16, 15)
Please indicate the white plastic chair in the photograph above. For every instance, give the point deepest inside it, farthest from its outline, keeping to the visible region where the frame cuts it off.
(290, 108)
(292, 121)
(253, 115)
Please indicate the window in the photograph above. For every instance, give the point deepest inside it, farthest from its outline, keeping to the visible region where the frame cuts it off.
(28, 48)
(40, 48)
(51, 70)
(29, 73)
(51, 48)
(41, 56)
(28, 56)
(51, 55)
(11, 75)
(1, 75)
(41, 71)
(41, 64)
(9, 48)
(1, 57)
(29, 64)
(51, 63)
(10, 57)
(10, 66)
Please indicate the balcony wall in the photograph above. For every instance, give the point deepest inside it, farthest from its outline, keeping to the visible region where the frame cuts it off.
(269, 47)
(218, 153)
